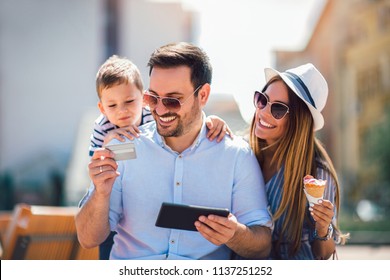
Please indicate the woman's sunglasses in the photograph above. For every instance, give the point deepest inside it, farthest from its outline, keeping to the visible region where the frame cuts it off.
(172, 104)
(278, 109)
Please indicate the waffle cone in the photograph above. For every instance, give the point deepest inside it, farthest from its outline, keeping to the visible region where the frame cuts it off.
(315, 190)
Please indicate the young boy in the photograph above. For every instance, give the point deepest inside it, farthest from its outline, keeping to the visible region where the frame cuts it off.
(120, 90)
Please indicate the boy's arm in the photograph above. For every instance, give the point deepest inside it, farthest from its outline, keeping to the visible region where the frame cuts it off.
(97, 137)
(129, 132)
(217, 128)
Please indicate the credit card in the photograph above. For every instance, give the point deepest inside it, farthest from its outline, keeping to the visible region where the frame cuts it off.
(123, 151)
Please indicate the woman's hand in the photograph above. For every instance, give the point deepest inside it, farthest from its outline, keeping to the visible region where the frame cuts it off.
(322, 214)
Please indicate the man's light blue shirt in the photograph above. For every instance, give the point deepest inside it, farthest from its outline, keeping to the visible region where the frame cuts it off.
(212, 174)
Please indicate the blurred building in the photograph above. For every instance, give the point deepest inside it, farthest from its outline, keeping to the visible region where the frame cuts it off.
(50, 51)
(226, 107)
(350, 45)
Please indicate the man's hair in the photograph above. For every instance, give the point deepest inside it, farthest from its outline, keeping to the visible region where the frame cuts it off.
(115, 71)
(183, 54)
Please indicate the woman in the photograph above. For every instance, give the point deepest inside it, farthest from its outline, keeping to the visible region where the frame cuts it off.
(288, 112)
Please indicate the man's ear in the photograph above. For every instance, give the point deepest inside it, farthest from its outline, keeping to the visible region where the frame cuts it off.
(203, 94)
(144, 104)
(101, 108)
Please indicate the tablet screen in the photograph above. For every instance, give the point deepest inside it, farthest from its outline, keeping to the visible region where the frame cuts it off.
(181, 216)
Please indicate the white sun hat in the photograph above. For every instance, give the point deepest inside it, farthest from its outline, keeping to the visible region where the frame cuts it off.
(309, 85)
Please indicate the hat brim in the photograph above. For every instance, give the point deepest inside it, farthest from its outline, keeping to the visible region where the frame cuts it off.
(316, 114)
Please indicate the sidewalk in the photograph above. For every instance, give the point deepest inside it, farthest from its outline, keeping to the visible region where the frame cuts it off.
(364, 252)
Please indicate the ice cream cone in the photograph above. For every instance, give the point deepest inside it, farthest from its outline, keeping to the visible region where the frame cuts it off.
(313, 188)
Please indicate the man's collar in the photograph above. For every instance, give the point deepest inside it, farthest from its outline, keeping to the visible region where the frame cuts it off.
(201, 136)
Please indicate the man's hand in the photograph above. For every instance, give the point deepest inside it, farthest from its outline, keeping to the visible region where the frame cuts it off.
(103, 171)
(216, 229)
(92, 221)
(249, 242)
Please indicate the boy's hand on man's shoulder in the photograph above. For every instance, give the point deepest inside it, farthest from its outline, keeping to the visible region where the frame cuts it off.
(120, 133)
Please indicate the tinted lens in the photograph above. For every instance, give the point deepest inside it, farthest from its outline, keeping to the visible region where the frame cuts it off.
(260, 100)
(150, 100)
(171, 104)
(278, 111)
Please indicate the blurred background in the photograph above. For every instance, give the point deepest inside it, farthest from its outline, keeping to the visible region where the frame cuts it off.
(50, 51)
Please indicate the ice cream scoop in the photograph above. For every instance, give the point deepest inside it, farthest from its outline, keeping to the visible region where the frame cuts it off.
(313, 188)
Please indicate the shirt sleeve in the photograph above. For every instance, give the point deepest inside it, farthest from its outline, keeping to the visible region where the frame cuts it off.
(250, 204)
(87, 195)
(97, 138)
(116, 208)
(146, 116)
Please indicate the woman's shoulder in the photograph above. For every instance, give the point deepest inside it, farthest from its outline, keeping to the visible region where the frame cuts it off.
(321, 163)
(323, 171)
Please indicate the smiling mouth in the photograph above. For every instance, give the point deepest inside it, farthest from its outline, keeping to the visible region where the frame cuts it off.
(167, 119)
(265, 124)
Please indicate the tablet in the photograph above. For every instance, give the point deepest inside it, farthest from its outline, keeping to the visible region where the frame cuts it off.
(181, 216)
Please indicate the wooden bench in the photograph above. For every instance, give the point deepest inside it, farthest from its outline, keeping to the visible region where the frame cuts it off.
(44, 233)
(5, 218)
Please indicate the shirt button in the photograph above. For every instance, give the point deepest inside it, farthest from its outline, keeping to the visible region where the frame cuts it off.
(180, 156)
(172, 241)
(177, 183)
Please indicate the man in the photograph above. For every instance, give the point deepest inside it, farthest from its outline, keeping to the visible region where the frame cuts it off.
(176, 164)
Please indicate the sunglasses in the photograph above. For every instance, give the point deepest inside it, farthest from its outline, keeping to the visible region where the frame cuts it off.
(172, 104)
(278, 109)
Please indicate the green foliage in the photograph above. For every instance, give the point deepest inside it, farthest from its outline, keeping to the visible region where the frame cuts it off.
(379, 145)
(374, 177)
(351, 222)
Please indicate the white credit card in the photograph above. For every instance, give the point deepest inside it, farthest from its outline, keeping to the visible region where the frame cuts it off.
(122, 151)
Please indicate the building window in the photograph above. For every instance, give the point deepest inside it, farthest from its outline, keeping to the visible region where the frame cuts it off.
(369, 82)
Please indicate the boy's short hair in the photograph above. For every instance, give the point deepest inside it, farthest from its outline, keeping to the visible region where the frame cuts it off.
(117, 70)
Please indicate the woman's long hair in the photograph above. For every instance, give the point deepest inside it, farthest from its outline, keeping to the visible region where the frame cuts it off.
(300, 152)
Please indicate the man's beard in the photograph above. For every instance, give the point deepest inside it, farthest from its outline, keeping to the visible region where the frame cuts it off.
(185, 123)
(175, 132)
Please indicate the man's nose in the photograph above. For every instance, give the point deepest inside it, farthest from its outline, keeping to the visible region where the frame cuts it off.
(160, 108)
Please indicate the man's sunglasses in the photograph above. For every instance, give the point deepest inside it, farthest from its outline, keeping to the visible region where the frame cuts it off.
(172, 104)
(278, 109)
